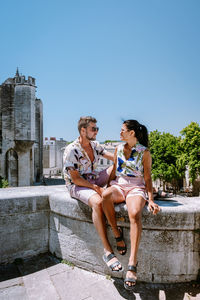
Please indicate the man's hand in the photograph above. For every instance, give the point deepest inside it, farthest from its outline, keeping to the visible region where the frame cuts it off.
(153, 207)
(98, 189)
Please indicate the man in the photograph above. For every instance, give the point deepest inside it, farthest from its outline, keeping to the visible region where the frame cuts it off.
(86, 184)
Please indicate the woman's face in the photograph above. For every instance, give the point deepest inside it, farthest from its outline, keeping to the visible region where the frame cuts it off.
(124, 133)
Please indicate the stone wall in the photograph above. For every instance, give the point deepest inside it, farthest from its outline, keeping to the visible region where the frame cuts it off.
(41, 219)
(38, 146)
(24, 224)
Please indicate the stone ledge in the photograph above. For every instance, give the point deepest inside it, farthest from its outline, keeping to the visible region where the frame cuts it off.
(179, 213)
(37, 219)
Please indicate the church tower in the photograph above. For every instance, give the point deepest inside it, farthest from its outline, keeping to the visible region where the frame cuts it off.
(20, 140)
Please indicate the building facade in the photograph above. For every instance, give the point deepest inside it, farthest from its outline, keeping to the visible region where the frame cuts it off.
(21, 131)
(104, 162)
(53, 156)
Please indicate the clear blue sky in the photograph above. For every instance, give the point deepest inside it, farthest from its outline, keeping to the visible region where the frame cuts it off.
(111, 59)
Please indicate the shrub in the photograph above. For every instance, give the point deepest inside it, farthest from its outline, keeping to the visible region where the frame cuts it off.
(3, 183)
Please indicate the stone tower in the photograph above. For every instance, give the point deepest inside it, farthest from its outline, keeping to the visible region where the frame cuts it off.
(21, 131)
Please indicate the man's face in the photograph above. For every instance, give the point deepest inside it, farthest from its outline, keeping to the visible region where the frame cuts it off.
(91, 131)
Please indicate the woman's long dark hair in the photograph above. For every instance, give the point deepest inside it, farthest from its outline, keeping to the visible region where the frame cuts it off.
(141, 132)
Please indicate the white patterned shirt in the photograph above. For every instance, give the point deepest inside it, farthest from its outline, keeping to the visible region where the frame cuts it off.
(133, 166)
(76, 158)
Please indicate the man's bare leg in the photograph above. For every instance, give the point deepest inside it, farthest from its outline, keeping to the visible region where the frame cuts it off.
(95, 202)
(111, 196)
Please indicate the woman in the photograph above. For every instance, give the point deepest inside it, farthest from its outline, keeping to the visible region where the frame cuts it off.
(129, 181)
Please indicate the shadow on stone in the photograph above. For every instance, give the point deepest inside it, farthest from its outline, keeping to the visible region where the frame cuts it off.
(168, 202)
(53, 181)
(150, 291)
(8, 271)
(22, 267)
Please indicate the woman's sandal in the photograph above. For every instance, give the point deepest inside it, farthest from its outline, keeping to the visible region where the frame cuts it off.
(120, 239)
(115, 264)
(131, 280)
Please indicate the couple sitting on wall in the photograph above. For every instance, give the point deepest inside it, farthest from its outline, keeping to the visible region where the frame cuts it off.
(129, 180)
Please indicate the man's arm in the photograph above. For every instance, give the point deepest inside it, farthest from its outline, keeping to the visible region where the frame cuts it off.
(112, 174)
(109, 155)
(80, 181)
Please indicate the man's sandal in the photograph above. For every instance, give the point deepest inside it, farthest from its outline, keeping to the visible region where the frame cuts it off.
(120, 239)
(115, 264)
(131, 280)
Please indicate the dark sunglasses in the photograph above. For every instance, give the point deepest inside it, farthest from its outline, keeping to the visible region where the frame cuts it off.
(95, 129)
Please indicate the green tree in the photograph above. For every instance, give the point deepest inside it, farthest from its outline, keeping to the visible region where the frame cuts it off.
(110, 141)
(165, 150)
(190, 145)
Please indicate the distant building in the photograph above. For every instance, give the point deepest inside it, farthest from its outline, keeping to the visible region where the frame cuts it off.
(103, 162)
(21, 131)
(53, 156)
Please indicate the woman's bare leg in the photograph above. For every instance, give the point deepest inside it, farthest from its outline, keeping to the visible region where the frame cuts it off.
(135, 205)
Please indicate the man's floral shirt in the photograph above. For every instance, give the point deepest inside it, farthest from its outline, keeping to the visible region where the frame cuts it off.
(76, 158)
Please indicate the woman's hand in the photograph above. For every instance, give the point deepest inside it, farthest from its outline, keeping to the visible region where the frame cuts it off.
(153, 207)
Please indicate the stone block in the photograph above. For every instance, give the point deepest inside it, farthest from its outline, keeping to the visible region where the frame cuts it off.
(23, 244)
(63, 204)
(173, 240)
(70, 286)
(166, 251)
(39, 286)
(19, 205)
(23, 222)
(43, 219)
(17, 292)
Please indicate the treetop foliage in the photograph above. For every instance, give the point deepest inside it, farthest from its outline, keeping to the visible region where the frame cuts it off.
(171, 154)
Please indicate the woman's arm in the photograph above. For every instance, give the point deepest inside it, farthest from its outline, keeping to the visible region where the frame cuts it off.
(147, 161)
(147, 173)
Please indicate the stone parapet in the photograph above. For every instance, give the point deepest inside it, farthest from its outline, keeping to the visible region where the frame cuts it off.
(39, 219)
(24, 223)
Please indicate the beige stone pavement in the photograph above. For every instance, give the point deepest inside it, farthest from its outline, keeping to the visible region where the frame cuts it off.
(46, 277)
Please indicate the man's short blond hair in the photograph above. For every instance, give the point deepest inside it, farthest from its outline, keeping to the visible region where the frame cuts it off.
(84, 122)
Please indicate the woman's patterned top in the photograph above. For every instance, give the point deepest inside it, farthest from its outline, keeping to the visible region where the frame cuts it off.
(133, 166)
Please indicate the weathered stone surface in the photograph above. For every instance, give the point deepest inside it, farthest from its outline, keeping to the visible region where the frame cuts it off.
(17, 292)
(178, 213)
(71, 286)
(161, 264)
(23, 244)
(39, 286)
(46, 218)
(24, 222)
(22, 205)
(10, 282)
(43, 276)
(61, 203)
(21, 141)
(16, 223)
